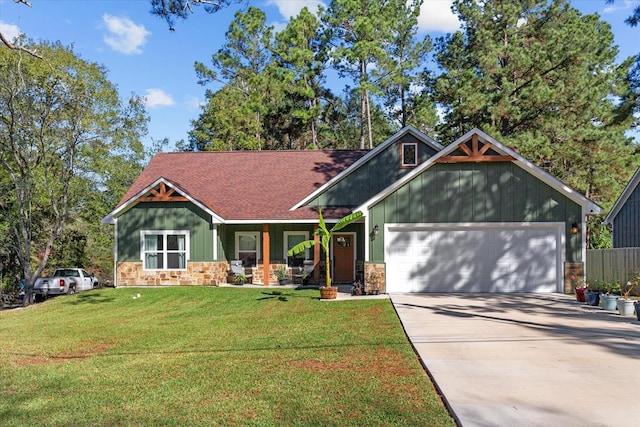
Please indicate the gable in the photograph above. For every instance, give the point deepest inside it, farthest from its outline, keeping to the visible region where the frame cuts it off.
(159, 191)
(381, 167)
(477, 147)
(625, 215)
(629, 194)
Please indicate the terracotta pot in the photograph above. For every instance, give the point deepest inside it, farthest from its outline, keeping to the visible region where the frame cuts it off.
(328, 293)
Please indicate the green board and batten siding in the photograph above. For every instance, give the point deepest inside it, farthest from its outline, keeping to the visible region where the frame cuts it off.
(626, 224)
(165, 216)
(476, 192)
(373, 176)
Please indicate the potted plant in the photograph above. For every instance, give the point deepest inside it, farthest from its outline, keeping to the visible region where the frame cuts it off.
(592, 294)
(325, 234)
(281, 274)
(239, 279)
(609, 297)
(625, 304)
(579, 288)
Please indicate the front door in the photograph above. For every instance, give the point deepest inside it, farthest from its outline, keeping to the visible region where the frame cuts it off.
(343, 261)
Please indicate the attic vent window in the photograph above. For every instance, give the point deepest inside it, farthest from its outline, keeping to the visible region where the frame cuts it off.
(408, 154)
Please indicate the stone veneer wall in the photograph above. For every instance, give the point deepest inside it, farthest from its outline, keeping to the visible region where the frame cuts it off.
(258, 274)
(197, 273)
(377, 270)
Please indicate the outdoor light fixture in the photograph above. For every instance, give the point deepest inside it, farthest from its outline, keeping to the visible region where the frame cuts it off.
(574, 228)
(376, 230)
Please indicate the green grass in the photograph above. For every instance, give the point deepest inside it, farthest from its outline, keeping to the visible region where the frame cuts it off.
(210, 356)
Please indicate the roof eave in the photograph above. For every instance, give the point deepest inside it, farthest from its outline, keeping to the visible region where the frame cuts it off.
(622, 199)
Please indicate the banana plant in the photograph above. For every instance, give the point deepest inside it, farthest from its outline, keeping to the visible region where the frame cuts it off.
(325, 235)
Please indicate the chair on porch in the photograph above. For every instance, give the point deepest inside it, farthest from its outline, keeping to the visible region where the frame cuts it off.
(306, 271)
(237, 269)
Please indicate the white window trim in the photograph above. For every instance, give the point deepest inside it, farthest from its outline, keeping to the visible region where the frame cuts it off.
(256, 234)
(403, 161)
(285, 240)
(164, 233)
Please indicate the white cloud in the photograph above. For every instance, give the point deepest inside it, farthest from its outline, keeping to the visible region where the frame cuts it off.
(157, 98)
(10, 31)
(124, 35)
(620, 5)
(289, 8)
(194, 103)
(436, 15)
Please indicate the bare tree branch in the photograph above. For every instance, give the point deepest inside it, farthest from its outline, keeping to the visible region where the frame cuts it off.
(12, 46)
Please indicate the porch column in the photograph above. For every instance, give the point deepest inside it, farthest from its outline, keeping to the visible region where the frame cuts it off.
(316, 257)
(266, 256)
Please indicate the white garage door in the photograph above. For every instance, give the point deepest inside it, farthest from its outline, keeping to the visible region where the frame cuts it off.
(485, 257)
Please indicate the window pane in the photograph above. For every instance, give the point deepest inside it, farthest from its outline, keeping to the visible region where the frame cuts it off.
(294, 239)
(153, 260)
(248, 259)
(152, 243)
(298, 259)
(172, 242)
(176, 260)
(409, 154)
(247, 243)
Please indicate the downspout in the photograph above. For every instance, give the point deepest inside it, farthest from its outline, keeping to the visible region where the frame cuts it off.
(583, 244)
(266, 256)
(316, 257)
(115, 252)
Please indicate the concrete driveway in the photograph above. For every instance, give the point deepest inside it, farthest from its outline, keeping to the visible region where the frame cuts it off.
(527, 360)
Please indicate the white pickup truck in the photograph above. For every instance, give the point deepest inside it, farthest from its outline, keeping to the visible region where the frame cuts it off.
(65, 281)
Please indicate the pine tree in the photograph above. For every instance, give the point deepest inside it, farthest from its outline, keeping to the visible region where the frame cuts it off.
(541, 77)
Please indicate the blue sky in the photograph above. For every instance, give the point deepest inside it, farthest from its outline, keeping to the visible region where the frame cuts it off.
(145, 58)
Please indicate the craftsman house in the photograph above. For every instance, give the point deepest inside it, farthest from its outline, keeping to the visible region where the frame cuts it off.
(624, 217)
(472, 217)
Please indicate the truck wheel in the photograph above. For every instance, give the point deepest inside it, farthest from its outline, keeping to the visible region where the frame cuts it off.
(71, 291)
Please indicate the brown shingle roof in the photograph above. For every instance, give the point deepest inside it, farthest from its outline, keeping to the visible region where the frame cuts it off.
(248, 185)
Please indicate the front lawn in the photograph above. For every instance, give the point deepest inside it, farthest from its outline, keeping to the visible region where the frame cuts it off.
(210, 356)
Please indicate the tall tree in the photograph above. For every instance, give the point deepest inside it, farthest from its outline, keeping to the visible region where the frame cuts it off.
(358, 31)
(241, 65)
(399, 69)
(541, 77)
(300, 54)
(55, 116)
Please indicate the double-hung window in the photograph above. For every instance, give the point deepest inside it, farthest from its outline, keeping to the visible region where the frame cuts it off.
(164, 250)
(292, 238)
(248, 247)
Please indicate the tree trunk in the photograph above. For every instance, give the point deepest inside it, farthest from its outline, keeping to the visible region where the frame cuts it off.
(366, 94)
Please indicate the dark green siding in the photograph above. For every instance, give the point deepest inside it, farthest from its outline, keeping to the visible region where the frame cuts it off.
(372, 177)
(165, 216)
(226, 236)
(626, 224)
(227, 233)
(476, 192)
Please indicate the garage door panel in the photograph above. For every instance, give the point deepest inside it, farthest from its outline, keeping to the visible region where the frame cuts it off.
(474, 260)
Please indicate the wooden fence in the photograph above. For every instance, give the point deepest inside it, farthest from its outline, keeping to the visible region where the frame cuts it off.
(612, 265)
